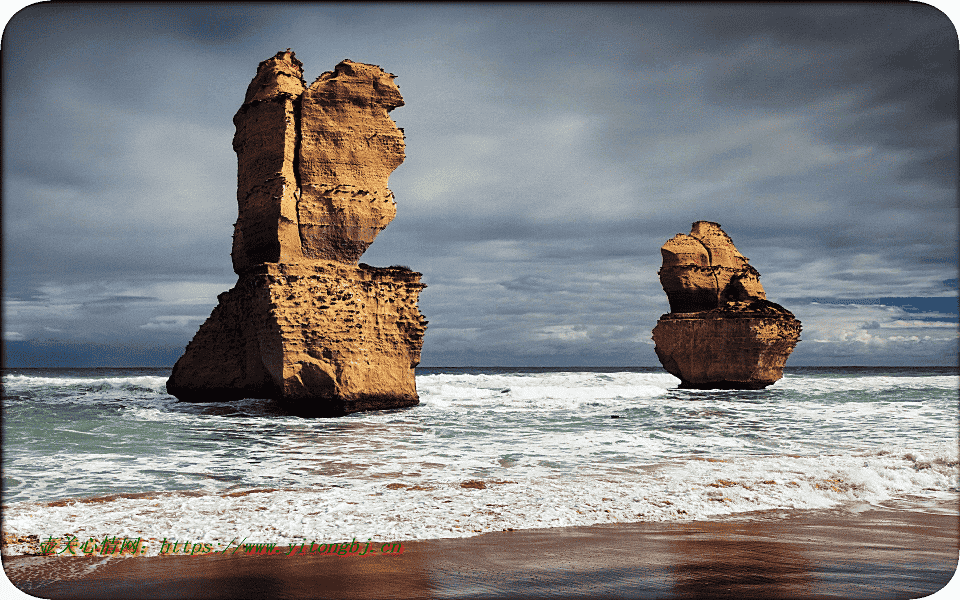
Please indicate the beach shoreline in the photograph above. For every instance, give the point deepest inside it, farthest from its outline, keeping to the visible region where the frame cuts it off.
(861, 552)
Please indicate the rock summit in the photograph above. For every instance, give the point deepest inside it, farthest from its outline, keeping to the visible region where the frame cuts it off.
(306, 324)
(721, 331)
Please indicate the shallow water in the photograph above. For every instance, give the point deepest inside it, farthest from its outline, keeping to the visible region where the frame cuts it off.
(549, 447)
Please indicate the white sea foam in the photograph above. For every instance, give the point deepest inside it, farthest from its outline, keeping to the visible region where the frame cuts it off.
(832, 385)
(18, 382)
(544, 444)
(439, 506)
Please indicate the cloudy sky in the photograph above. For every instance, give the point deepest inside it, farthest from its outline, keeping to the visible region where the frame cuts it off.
(551, 151)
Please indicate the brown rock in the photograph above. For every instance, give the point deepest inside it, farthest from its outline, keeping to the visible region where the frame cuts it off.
(348, 149)
(704, 270)
(313, 163)
(266, 143)
(305, 324)
(721, 331)
(323, 338)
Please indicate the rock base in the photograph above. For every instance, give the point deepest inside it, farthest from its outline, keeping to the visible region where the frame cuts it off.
(713, 350)
(322, 338)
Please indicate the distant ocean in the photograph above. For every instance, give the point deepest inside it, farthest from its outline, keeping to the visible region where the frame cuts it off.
(107, 452)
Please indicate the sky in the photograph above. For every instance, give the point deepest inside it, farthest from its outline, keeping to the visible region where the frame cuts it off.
(550, 151)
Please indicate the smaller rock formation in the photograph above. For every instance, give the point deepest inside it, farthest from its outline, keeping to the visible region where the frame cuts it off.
(721, 331)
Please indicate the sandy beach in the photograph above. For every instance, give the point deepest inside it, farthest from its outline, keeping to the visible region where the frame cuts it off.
(838, 553)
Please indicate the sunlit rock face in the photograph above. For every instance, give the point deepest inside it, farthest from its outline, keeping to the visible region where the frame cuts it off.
(267, 143)
(721, 331)
(313, 162)
(348, 148)
(306, 324)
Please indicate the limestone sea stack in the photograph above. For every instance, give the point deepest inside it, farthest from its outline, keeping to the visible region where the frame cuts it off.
(306, 324)
(721, 331)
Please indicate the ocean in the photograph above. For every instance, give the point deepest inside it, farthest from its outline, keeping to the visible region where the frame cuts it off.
(107, 452)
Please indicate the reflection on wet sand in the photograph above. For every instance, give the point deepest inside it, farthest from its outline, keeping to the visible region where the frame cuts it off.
(874, 553)
(217, 576)
(737, 560)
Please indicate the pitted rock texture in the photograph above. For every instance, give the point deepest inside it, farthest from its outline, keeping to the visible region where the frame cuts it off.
(324, 339)
(305, 324)
(721, 332)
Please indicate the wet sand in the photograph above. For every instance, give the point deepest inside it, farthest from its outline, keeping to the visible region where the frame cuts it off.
(875, 553)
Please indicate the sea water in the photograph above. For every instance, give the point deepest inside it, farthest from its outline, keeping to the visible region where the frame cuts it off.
(107, 452)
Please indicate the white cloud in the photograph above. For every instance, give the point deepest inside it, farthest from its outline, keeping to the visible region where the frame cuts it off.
(874, 334)
(869, 324)
(104, 310)
(916, 323)
(174, 323)
(566, 333)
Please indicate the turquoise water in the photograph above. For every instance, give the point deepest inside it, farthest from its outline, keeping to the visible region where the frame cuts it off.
(554, 446)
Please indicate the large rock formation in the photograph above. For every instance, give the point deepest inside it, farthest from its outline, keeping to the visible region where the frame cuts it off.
(305, 324)
(721, 331)
(313, 163)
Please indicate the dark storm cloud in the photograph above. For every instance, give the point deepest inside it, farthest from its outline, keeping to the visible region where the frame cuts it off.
(783, 55)
(551, 150)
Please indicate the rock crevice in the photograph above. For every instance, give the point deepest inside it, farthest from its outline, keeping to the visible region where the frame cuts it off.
(722, 332)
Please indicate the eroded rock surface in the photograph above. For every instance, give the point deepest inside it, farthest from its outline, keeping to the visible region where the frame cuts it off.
(349, 148)
(313, 162)
(721, 331)
(306, 324)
